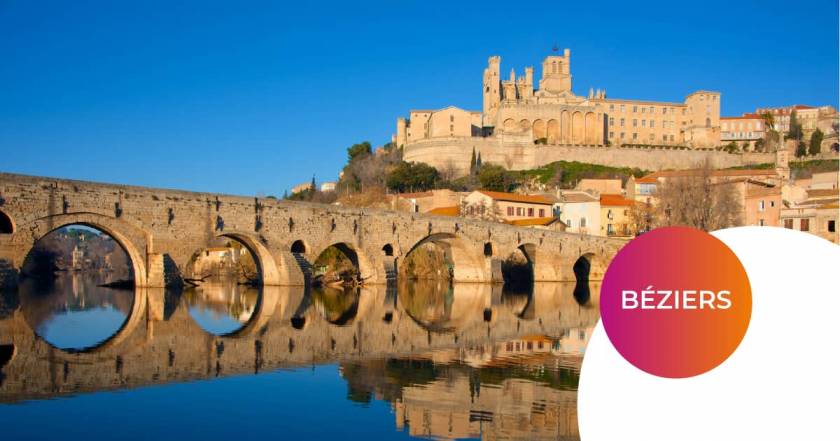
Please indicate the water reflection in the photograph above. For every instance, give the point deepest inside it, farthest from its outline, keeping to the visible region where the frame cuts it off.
(450, 361)
(72, 312)
(338, 306)
(522, 388)
(221, 305)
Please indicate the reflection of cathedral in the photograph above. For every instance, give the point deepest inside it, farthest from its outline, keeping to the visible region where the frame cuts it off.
(523, 388)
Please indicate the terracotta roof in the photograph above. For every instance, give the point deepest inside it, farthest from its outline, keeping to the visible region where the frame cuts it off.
(823, 192)
(578, 196)
(446, 211)
(616, 200)
(753, 192)
(533, 221)
(744, 116)
(515, 197)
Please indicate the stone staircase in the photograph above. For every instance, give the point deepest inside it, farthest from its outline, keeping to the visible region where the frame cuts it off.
(305, 266)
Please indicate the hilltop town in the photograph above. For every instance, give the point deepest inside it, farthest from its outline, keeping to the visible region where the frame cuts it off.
(537, 155)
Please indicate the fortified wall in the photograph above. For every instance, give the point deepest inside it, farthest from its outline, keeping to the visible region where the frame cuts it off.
(523, 154)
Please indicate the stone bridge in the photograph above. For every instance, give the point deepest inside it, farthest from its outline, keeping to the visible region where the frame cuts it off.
(161, 230)
(161, 343)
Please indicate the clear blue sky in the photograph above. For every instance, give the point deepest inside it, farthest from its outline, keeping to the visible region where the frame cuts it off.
(254, 98)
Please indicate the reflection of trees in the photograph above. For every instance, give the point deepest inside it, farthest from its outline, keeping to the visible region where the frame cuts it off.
(338, 306)
(388, 379)
(429, 303)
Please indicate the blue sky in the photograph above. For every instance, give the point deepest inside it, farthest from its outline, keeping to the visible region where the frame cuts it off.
(252, 98)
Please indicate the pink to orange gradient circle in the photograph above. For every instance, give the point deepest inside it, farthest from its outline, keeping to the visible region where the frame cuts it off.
(676, 302)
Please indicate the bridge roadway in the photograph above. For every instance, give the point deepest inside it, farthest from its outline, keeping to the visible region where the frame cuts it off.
(161, 230)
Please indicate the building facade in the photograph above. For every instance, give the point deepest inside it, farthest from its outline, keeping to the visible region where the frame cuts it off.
(743, 130)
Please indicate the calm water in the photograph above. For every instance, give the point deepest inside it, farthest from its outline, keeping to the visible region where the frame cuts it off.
(223, 361)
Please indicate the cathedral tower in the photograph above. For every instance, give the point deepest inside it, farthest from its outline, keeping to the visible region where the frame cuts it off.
(491, 83)
(556, 74)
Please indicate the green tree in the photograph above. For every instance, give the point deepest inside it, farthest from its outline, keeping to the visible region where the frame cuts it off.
(759, 145)
(494, 177)
(795, 130)
(411, 176)
(801, 150)
(358, 150)
(478, 162)
(732, 147)
(816, 142)
(472, 162)
(312, 187)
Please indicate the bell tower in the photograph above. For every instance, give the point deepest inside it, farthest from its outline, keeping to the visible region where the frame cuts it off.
(556, 73)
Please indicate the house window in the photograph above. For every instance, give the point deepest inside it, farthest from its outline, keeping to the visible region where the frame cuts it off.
(789, 224)
(612, 121)
(622, 108)
(568, 223)
(530, 212)
(510, 211)
(635, 136)
(582, 222)
(635, 122)
(610, 230)
(542, 212)
(804, 225)
(643, 123)
(761, 205)
(622, 135)
(761, 222)
(772, 204)
(612, 134)
(634, 109)
(622, 122)
(831, 226)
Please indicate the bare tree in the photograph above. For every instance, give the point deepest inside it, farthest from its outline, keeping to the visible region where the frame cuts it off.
(449, 171)
(483, 211)
(698, 200)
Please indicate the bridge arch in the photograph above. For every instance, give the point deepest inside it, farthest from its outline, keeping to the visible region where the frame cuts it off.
(7, 225)
(355, 255)
(134, 241)
(299, 247)
(267, 267)
(469, 263)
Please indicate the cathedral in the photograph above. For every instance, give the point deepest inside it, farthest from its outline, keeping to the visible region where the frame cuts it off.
(515, 111)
